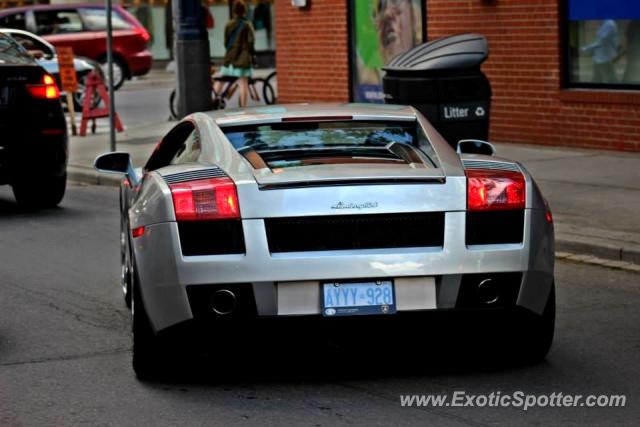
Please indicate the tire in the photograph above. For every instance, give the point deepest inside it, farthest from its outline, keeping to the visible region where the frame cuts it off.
(125, 262)
(120, 71)
(173, 105)
(218, 102)
(40, 193)
(268, 91)
(268, 94)
(146, 360)
(78, 96)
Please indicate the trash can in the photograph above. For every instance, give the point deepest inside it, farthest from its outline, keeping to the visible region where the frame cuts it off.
(443, 80)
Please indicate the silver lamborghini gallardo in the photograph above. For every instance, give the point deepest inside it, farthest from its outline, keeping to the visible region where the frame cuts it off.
(335, 213)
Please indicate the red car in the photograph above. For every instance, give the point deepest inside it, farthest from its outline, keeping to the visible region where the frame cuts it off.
(83, 27)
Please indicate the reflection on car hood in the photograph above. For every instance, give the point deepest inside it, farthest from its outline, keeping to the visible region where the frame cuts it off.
(80, 64)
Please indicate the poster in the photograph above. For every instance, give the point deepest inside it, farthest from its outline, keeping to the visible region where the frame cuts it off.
(380, 30)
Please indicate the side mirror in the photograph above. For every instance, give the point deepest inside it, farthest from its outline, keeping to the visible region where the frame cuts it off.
(475, 146)
(117, 162)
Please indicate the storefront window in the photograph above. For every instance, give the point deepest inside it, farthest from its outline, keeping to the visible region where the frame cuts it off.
(380, 30)
(603, 44)
(155, 15)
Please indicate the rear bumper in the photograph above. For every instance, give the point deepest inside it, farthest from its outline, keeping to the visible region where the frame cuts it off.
(139, 63)
(34, 157)
(165, 273)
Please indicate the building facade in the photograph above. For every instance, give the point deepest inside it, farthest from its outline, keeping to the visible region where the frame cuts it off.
(563, 72)
(155, 16)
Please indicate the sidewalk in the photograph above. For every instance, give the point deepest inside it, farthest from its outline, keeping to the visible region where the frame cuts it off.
(594, 195)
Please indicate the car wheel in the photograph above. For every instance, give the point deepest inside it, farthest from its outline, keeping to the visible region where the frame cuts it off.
(119, 72)
(173, 105)
(79, 95)
(125, 262)
(40, 193)
(147, 359)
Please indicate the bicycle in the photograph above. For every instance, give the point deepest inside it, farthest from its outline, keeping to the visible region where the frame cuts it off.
(231, 85)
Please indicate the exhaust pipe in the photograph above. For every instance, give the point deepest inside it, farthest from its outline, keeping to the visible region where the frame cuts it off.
(223, 302)
(488, 292)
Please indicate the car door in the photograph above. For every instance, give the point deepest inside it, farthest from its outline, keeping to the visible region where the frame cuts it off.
(125, 37)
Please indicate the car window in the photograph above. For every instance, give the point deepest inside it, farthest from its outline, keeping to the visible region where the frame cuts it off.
(96, 20)
(31, 44)
(189, 151)
(321, 134)
(57, 22)
(17, 21)
(174, 145)
(12, 53)
(292, 144)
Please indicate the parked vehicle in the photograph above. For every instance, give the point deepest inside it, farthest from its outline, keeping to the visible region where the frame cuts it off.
(45, 54)
(83, 27)
(33, 142)
(349, 216)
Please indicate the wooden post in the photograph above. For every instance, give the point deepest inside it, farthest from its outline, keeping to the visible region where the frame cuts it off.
(72, 113)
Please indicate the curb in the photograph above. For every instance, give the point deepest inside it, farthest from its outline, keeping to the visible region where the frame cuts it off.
(585, 245)
(580, 245)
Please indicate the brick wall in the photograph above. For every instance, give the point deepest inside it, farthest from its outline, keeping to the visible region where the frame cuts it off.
(311, 52)
(524, 68)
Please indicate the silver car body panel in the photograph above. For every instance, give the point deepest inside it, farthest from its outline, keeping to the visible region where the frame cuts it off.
(289, 283)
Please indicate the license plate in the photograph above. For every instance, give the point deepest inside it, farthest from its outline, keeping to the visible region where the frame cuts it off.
(358, 298)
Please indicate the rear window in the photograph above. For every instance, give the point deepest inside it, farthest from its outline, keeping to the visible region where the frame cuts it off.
(95, 19)
(291, 144)
(12, 53)
(320, 134)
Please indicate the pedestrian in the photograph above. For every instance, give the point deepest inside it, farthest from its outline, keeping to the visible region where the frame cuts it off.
(604, 51)
(632, 71)
(239, 42)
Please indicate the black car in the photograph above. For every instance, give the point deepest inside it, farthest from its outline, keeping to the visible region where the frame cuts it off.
(33, 130)
(45, 55)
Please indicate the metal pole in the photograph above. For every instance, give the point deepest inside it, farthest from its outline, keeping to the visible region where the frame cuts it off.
(112, 108)
(193, 64)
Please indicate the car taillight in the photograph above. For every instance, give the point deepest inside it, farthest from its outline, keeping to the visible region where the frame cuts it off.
(143, 33)
(47, 89)
(495, 190)
(205, 199)
(137, 232)
(547, 214)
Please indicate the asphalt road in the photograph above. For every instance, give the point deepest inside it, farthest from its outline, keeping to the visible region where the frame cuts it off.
(65, 347)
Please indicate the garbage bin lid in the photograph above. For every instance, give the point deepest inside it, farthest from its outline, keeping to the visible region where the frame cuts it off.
(449, 53)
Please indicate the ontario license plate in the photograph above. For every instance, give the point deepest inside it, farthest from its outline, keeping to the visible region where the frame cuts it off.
(358, 298)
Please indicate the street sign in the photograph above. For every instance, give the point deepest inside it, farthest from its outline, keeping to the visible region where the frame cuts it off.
(68, 77)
